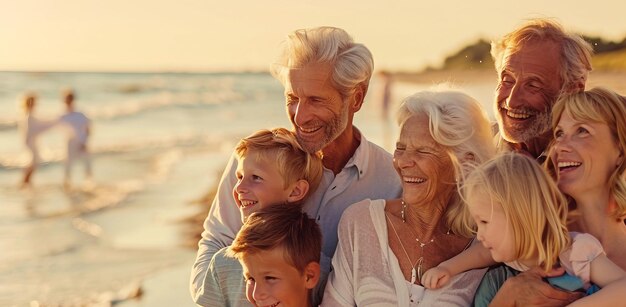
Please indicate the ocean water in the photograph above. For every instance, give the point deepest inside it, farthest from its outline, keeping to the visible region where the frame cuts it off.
(159, 141)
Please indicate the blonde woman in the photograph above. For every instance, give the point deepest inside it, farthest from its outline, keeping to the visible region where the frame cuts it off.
(588, 161)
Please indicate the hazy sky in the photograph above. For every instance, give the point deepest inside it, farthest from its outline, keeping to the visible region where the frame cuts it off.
(200, 35)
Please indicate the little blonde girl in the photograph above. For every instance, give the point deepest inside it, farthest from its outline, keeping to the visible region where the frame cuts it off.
(32, 127)
(521, 220)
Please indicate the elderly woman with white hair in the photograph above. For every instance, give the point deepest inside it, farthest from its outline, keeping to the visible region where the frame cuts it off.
(386, 245)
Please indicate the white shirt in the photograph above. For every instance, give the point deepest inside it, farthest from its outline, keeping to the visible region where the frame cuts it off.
(366, 272)
(32, 127)
(78, 125)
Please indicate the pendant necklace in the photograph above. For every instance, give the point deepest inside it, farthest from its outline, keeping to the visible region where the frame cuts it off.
(419, 272)
(420, 261)
(413, 271)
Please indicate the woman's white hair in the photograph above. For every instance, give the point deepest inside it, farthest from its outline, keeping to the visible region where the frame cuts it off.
(352, 63)
(460, 125)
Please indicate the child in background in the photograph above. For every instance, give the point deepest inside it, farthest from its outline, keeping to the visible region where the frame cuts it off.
(78, 128)
(279, 249)
(521, 220)
(272, 169)
(31, 128)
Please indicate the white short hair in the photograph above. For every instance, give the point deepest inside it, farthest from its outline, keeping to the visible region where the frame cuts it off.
(352, 63)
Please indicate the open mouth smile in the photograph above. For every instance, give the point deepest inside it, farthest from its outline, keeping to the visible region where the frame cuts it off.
(247, 203)
(309, 130)
(567, 165)
(519, 114)
(413, 179)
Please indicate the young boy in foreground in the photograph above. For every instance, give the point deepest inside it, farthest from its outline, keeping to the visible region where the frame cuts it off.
(279, 250)
(272, 169)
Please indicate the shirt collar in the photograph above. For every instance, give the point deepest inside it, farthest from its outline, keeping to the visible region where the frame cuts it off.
(503, 145)
(360, 157)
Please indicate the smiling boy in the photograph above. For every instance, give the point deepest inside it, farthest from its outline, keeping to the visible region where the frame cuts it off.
(279, 250)
(272, 169)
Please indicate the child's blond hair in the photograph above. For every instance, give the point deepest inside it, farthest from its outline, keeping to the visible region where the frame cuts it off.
(280, 147)
(28, 101)
(531, 201)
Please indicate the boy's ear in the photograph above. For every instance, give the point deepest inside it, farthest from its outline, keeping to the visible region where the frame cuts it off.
(311, 274)
(298, 191)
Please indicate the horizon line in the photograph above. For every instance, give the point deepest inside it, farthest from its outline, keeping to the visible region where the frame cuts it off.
(138, 71)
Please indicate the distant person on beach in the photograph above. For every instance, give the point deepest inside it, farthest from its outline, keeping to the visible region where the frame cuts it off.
(521, 218)
(279, 249)
(326, 77)
(272, 169)
(78, 130)
(536, 63)
(386, 85)
(31, 127)
(386, 80)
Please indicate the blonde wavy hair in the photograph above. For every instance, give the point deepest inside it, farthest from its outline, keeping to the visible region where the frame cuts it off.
(534, 207)
(280, 147)
(598, 105)
(459, 124)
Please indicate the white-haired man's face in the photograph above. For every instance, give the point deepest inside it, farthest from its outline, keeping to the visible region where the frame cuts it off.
(528, 86)
(316, 109)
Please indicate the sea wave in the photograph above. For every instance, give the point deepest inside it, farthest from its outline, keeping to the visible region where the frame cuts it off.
(133, 106)
(54, 156)
(8, 124)
(164, 99)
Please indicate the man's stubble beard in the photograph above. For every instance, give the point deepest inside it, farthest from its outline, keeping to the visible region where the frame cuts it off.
(541, 123)
(332, 130)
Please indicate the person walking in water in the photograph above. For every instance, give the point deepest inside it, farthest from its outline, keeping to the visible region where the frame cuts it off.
(31, 128)
(78, 127)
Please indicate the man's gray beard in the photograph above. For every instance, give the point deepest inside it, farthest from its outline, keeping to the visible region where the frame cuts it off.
(542, 123)
(331, 132)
